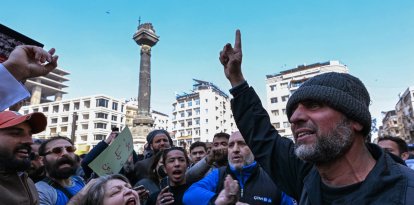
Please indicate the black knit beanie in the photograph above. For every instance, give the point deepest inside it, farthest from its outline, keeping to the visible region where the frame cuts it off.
(340, 91)
(153, 133)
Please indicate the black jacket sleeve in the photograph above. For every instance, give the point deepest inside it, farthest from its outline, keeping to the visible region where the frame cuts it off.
(100, 147)
(273, 152)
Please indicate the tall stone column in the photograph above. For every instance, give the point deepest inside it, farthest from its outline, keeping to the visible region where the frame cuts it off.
(146, 38)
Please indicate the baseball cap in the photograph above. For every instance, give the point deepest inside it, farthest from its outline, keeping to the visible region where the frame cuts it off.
(36, 120)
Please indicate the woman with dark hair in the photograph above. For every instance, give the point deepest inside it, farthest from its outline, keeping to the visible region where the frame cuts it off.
(112, 189)
(175, 164)
(156, 173)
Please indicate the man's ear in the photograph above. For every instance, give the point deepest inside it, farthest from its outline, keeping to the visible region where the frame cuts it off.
(404, 155)
(356, 126)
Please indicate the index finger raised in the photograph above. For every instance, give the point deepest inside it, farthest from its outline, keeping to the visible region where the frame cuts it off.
(237, 44)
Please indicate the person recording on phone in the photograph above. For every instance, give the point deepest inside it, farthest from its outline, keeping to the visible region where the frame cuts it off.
(98, 149)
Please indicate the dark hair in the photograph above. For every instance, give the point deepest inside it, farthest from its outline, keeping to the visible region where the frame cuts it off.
(43, 145)
(221, 135)
(198, 144)
(38, 141)
(115, 129)
(153, 168)
(166, 151)
(153, 133)
(402, 145)
(96, 192)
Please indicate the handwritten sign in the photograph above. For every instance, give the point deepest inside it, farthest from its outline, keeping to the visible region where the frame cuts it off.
(111, 160)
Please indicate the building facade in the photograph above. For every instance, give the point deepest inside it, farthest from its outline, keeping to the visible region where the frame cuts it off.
(86, 120)
(280, 86)
(198, 115)
(405, 114)
(390, 125)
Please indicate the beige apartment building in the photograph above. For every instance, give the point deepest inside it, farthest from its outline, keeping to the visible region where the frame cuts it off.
(198, 115)
(390, 125)
(405, 114)
(280, 86)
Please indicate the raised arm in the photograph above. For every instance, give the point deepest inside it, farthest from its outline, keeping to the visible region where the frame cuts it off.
(231, 59)
(28, 61)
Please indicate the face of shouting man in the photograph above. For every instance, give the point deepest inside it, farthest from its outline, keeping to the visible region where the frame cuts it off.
(15, 147)
(321, 133)
(239, 154)
(59, 159)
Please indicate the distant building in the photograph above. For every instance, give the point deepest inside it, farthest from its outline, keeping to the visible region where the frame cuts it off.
(390, 125)
(280, 86)
(198, 115)
(405, 114)
(43, 89)
(161, 121)
(93, 117)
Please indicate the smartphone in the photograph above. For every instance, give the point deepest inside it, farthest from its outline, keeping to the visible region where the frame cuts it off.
(164, 182)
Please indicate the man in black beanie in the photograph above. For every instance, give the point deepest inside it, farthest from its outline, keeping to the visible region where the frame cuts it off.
(330, 162)
(157, 140)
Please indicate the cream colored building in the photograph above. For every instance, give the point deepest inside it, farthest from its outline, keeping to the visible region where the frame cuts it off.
(280, 86)
(390, 125)
(404, 110)
(198, 115)
(93, 117)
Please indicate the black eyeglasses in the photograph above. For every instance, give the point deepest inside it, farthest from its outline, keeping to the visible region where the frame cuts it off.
(59, 150)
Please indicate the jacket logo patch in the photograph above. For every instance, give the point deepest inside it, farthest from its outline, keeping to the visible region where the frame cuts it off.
(262, 198)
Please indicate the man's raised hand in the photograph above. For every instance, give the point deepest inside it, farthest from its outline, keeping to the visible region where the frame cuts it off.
(231, 59)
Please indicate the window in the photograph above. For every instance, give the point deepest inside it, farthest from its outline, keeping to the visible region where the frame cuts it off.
(101, 115)
(64, 129)
(84, 126)
(206, 100)
(45, 109)
(182, 124)
(181, 105)
(114, 106)
(190, 103)
(189, 113)
(272, 87)
(65, 119)
(102, 102)
(84, 137)
(206, 111)
(54, 120)
(206, 121)
(100, 125)
(99, 137)
(76, 106)
(122, 108)
(85, 116)
(197, 121)
(206, 131)
(197, 111)
(276, 125)
(114, 118)
(285, 98)
(284, 111)
(275, 112)
(283, 85)
(197, 102)
(65, 107)
(56, 109)
(189, 123)
(35, 110)
(273, 100)
(87, 104)
(182, 114)
(286, 124)
(53, 130)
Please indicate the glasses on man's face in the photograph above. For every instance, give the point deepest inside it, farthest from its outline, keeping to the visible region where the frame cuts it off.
(59, 150)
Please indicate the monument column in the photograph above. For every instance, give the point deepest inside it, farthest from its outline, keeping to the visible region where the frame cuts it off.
(146, 38)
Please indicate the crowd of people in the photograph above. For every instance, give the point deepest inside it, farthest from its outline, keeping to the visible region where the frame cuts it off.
(330, 161)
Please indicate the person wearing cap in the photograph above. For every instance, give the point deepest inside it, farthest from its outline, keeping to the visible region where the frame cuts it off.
(15, 147)
(330, 161)
(157, 140)
(24, 62)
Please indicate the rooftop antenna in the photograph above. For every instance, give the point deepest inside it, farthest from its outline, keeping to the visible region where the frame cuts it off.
(139, 21)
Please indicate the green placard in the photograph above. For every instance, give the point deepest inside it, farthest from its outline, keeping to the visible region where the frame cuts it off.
(111, 160)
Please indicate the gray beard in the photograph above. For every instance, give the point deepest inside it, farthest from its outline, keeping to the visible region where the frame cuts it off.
(327, 147)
